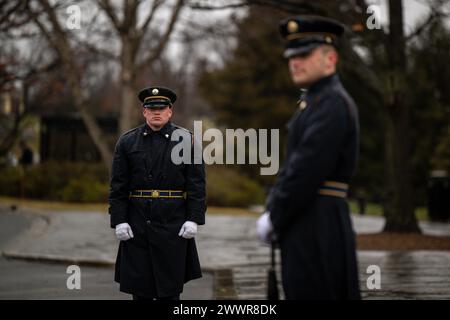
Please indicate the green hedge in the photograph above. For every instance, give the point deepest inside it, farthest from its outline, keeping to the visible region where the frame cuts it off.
(74, 182)
(227, 186)
(86, 182)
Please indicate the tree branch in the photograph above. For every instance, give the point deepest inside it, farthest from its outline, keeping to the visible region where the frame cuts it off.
(45, 32)
(61, 41)
(129, 16)
(166, 36)
(197, 6)
(109, 10)
(92, 48)
(10, 137)
(434, 14)
(31, 72)
(281, 5)
(151, 14)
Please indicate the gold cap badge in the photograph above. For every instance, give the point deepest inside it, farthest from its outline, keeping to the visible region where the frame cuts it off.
(155, 193)
(292, 26)
(155, 92)
(303, 104)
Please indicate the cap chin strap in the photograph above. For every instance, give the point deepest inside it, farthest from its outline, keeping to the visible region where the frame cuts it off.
(318, 35)
(157, 97)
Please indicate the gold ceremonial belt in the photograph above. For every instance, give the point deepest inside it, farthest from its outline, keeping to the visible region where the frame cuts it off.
(158, 194)
(334, 188)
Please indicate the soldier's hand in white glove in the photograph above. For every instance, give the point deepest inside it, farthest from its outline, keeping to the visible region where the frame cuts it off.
(188, 230)
(264, 228)
(124, 232)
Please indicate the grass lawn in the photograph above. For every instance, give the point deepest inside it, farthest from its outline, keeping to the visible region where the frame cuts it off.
(52, 205)
(102, 207)
(378, 241)
(373, 209)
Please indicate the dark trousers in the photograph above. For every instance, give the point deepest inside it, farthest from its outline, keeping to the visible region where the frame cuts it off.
(175, 297)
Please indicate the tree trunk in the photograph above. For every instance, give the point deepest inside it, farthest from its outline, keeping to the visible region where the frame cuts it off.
(129, 103)
(92, 127)
(59, 40)
(400, 215)
(10, 137)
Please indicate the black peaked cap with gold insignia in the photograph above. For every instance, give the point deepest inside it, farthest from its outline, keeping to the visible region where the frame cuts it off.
(305, 32)
(157, 97)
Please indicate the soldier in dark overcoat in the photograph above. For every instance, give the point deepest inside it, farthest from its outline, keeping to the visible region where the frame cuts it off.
(156, 203)
(307, 212)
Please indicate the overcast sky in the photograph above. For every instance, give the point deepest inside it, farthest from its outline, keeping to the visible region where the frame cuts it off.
(414, 11)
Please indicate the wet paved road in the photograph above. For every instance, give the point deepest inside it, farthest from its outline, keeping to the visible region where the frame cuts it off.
(404, 275)
(37, 280)
(227, 247)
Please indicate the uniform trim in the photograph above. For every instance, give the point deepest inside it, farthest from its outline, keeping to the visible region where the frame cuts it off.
(154, 194)
(131, 130)
(334, 188)
(182, 128)
(309, 34)
(335, 184)
(156, 97)
(333, 193)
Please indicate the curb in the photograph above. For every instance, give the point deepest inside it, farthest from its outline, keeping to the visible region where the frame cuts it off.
(54, 259)
(223, 285)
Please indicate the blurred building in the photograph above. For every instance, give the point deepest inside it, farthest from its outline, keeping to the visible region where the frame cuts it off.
(64, 137)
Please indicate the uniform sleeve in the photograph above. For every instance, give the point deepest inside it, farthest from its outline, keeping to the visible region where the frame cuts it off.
(312, 160)
(195, 191)
(269, 205)
(269, 200)
(119, 192)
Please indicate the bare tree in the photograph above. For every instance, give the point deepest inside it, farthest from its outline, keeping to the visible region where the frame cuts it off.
(131, 35)
(391, 85)
(46, 19)
(17, 72)
(141, 39)
(386, 77)
(400, 210)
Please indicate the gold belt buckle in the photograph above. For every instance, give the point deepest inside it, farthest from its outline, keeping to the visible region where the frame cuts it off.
(155, 193)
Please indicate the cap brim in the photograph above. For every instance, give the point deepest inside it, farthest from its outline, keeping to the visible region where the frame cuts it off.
(292, 52)
(156, 105)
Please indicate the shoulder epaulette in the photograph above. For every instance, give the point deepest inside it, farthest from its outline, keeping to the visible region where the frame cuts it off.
(129, 131)
(179, 127)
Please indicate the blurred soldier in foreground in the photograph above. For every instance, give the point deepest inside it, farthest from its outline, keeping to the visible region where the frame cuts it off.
(307, 212)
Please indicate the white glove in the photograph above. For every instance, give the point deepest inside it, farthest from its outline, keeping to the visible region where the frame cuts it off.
(123, 232)
(188, 230)
(264, 227)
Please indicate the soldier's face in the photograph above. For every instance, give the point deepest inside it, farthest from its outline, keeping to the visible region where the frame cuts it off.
(308, 68)
(157, 117)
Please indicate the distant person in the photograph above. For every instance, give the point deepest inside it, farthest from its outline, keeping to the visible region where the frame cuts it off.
(26, 157)
(155, 205)
(361, 199)
(307, 212)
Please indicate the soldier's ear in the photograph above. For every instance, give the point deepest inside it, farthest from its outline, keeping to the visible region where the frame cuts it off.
(331, 54)
(335, 57)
